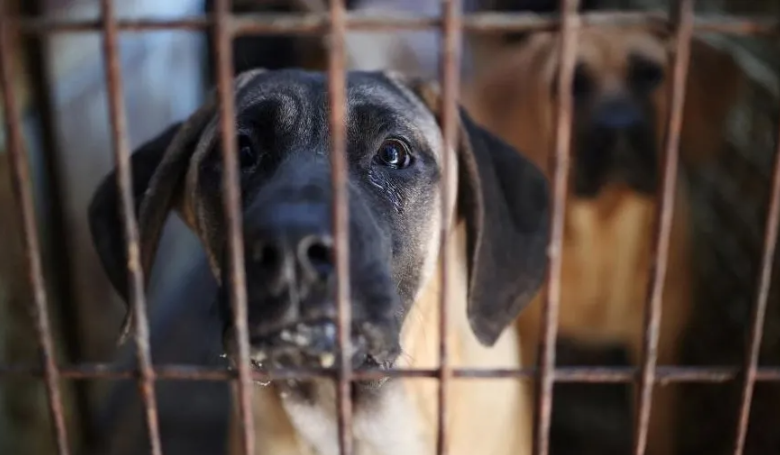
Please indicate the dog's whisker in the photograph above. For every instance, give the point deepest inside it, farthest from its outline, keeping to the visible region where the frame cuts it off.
(406, 356)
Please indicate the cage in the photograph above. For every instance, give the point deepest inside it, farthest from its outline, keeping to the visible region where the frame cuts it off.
(81, 77)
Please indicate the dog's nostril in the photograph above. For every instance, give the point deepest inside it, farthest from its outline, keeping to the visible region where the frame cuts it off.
(316, 253)
(266, 255)
(319, 253)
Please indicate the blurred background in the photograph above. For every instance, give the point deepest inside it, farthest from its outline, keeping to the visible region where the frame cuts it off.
(62, 95)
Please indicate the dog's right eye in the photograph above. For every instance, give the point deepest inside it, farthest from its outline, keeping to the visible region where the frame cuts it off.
(581, 86)
(247, 155)
(645, 75)
(394, 154)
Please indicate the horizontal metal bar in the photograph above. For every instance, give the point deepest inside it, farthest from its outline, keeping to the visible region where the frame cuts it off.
(664, 375)
(316, 23)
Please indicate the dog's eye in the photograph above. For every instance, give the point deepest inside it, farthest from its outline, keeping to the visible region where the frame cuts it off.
(645, 75)
(247, 155)
(394, 154)
(581, 85)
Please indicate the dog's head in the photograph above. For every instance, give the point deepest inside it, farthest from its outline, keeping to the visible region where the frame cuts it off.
(394, 160)
(620, 92)
(618, 108)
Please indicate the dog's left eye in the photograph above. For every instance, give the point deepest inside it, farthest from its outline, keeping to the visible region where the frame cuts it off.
(645, 75)
(581, 84)
(394, 154)
(247, 155)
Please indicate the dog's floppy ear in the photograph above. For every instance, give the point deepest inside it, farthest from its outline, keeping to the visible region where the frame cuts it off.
(504, 199)
(715, 83)
(104, 211)
(159, 168)
(164, 156)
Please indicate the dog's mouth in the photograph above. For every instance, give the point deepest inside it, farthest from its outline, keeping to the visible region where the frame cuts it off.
(604, 160)
(314, 345)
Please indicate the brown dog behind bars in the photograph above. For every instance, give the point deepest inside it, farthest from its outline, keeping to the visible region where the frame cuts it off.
(395, 164)
(620, 86)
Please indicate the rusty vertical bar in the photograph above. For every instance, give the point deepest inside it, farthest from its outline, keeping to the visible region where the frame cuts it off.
(337, 86)
(20, 179)
(570, 23)
(759, 311)
(124, 181)
(231, 199)
(683, 18)
(58, 232)
(452, 27)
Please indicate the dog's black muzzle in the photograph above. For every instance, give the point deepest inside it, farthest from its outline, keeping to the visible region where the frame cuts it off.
(291, 276)
(616, 145)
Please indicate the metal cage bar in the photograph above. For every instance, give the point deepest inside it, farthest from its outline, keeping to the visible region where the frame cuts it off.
(337, 88)
(674, 120)
(231, 199)
(124, 179)
(560, 179)
(664, 375)
(450, 82)
(751, 369)
(476, 23)
(334, 24)
(22, 188)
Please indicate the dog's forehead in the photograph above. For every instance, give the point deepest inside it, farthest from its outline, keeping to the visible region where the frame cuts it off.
(610, 50)
(306, 93)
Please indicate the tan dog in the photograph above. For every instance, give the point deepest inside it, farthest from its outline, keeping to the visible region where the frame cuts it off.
(395, 164)
(620, 95)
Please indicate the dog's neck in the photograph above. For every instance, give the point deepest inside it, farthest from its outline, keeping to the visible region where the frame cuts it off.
(484, 415)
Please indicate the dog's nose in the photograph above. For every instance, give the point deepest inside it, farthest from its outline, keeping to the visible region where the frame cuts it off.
(307, 253)
(291, 258)
(617, 114)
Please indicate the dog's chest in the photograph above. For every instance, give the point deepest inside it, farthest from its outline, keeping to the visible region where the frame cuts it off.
(288, 426)
(605, 270)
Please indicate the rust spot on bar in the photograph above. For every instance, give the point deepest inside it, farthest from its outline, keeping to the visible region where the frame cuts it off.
(759, 311)
(560, 177)
(231, 199)
(129, 223)
(450, 69)
(683, 35)
(337, 83)
(20, 179)
(315, 23)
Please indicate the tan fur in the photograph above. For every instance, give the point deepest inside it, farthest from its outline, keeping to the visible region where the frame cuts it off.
(607, 241)
(486, 417)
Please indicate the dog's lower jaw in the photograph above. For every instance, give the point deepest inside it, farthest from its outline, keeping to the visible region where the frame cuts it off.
(485, 415)
(286, 425)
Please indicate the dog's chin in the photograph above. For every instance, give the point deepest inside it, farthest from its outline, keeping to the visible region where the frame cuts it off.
(590, 186)
(313, 345)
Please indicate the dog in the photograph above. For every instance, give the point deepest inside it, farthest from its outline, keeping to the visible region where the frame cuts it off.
(620, 88)
(496, 231)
